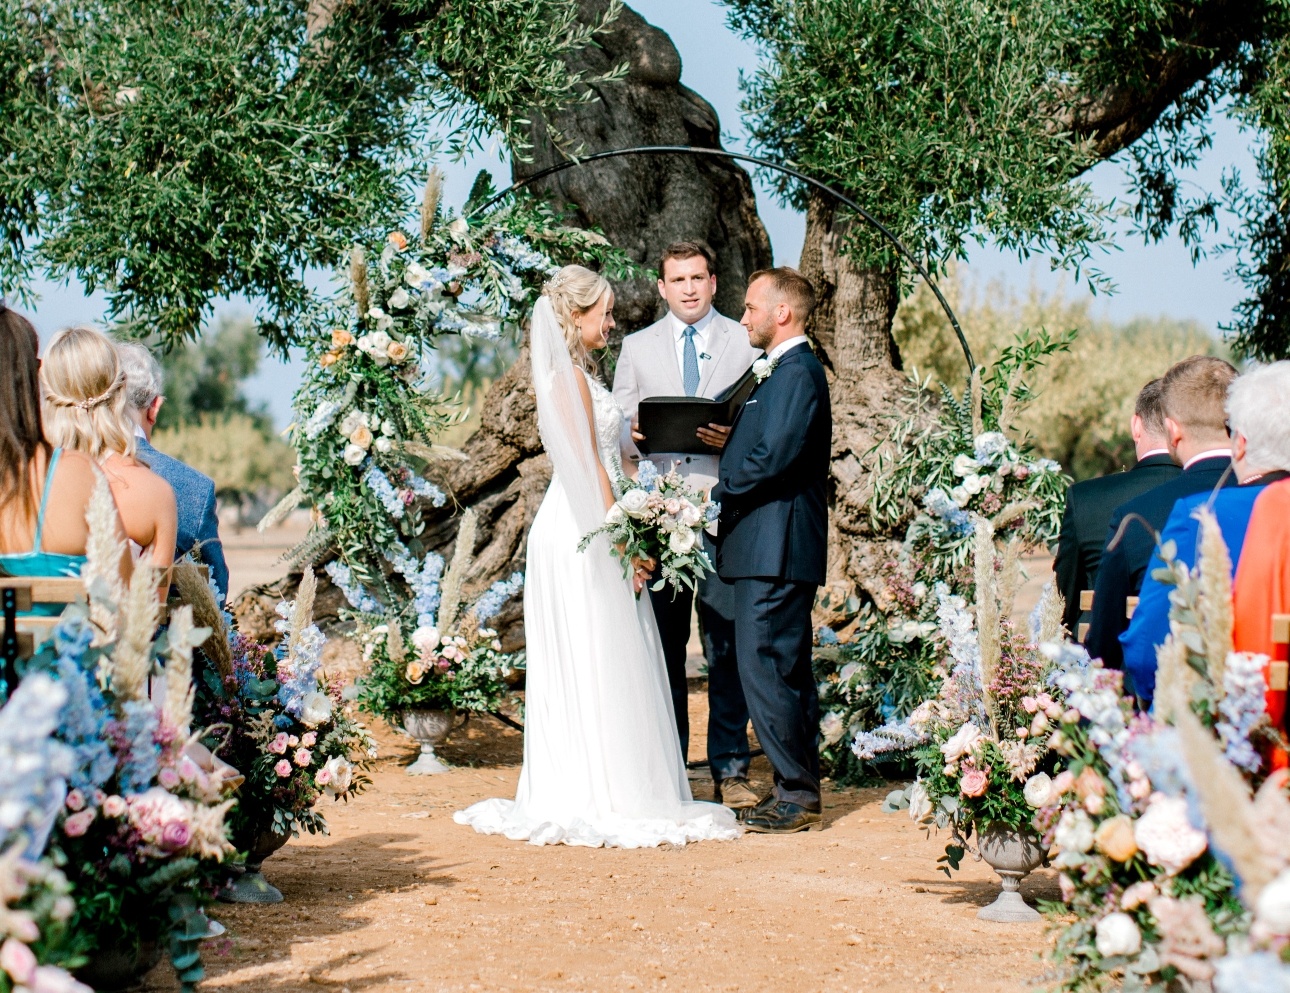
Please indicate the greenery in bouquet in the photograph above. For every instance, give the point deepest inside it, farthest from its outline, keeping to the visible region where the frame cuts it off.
(366, 413)
(1146, 898)
(659, 516)
(981, 746)
(274, 714)
(451, 660)
(944, 466)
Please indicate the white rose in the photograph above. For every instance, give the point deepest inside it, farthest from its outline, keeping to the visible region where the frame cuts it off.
(340, 773)
(1118, 934)
(1074, 832)
(1273, 909)
(458, 228)
(383, 321)
(353, 455)
(399, 299)
(384, 444)
(831, 728)
(353, 420)
(634, 502)
(425, 639)
(960, 496)
(416, 275)
(965, 465)
(920, 804)
(690, 515)
(615, 515)
(681, 541)
(961, 742)
(315, 708)
(1166, 836)
(974, 484)
(761, 369)
(1039, 790)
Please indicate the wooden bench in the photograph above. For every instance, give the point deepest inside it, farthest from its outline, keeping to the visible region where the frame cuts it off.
(1086, 604)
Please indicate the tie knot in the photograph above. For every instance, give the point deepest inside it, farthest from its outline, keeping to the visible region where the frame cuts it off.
(689, 331)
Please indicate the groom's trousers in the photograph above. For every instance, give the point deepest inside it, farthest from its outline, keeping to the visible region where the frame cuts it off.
(773, 642)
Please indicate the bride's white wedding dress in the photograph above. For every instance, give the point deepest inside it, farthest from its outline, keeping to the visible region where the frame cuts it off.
(602, 760)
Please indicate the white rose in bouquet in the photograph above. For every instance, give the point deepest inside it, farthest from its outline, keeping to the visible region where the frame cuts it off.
(920, 804)
(425, 639)
(339, 774)
(315, 708)
(1118, 934)
(974, 484)
(682, 541)
(399, 299)
(1166, 836)
(351, 422)
(383, 323)
(965, 465)
(353, 455)
(690, 515)
(1272, 912)
(961, 742)
(831, 728)
(960, 496)
(634, 503)
(615, 515)
(1039, 790)
(416, 275)
(1074, 832)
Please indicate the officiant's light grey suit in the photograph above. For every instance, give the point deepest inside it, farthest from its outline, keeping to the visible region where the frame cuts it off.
(651, 364)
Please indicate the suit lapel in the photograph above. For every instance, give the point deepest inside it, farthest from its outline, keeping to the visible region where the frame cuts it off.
(718, 339)
(665, 357)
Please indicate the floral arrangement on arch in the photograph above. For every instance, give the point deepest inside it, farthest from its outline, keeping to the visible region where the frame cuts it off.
(275, 714)
(1147, 898)
(366, 413)
(940, 471)
(452, 660)
(658, 516)
(981, 746)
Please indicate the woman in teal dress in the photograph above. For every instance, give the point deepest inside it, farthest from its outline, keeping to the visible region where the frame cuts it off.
(44, 491)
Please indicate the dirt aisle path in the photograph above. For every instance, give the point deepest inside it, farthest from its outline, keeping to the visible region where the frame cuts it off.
(399, 897)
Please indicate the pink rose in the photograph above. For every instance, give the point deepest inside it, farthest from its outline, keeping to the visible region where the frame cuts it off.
(78, 823)
(293, 741)
(278, 746)
(18, 960)
(323, 777)
(974, 782)
(114, 806)
(53, 979)
(1063, 783)
(168, 778)
(303, 757)
(309, 739)
(283, 768)
(75, 800)
(175, 836)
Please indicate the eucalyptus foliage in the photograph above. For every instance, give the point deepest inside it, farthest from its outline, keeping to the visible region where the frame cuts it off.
(176, 151)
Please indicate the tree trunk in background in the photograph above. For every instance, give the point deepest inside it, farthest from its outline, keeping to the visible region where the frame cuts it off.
(641, 203)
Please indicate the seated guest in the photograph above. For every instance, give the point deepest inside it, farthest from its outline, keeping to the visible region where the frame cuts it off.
(1262, 585)
(85, 410)
(44, 491)
(1193, 394)
(1090, 504)
(195, 493)
(1258, 413)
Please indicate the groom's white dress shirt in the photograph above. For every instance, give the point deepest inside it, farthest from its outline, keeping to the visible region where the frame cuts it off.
(651, 364)
(778, 351)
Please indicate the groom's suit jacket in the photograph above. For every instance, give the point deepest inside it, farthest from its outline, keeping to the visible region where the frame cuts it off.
(648, 367)
(774, 472)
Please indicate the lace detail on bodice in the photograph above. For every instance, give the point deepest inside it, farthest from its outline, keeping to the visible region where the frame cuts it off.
(609, 425)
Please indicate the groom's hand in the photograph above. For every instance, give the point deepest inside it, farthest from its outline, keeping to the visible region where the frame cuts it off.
(715, 435)
(636, 430)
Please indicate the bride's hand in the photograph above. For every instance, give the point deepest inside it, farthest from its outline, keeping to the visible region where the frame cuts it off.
(641, 572)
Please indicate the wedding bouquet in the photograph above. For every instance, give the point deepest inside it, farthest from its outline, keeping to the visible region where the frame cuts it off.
(658, 516)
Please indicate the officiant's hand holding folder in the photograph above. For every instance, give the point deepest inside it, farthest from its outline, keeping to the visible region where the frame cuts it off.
(671, 424)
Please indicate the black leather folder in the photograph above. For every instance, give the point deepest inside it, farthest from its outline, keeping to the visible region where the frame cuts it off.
(669, 424)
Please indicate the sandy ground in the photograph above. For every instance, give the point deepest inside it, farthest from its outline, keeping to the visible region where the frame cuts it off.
(399, 897)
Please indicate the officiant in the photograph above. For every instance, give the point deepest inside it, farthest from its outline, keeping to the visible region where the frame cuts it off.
(694, 351)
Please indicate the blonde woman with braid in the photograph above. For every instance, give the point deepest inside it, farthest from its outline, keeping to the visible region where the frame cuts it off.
(83, 395)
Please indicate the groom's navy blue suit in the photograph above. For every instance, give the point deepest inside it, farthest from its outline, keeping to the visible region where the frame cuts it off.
(771, 546)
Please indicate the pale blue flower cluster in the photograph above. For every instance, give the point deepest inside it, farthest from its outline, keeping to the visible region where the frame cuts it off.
(711, 512)
(383, 490)
(939, 504)
(450, 320)
(989, 447)
(1242, 706)
(647, 475)
(35, 764)
(958, 629)
(320, 420)
(1077, 677)
(1253, 972)
(427, 490)
(495, 597)
(142, 758)
(299, 675)
(354, 592)
(1047, 465)
(521, 255)
(827, 636)
(423, 580)
(82, 725)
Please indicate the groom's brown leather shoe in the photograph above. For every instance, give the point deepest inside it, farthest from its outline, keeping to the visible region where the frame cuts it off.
(736, 793)
(782, 817)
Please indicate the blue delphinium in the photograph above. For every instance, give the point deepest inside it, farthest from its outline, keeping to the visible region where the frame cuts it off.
(427, 490)
(383, 490)
(81, 726)
(142, 759)
(35, 765)
(423, 580)
(827, 636)
(320, 420)
(354, 592)
(490, 604)
(939, 504)
(1242, 706)
(298, 672)
(521, 255)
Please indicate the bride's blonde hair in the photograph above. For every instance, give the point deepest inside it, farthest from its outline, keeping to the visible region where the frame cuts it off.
(573, 291)
(83, 395)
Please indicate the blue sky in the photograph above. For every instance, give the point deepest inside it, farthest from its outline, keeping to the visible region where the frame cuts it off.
(1151, 279)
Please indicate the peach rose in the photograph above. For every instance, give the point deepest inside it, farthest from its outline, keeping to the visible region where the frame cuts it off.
(396, 351)
(328, 358)
(399, 240)
(974, 782)
(1114, 838)
(340, 337)
(361, 436)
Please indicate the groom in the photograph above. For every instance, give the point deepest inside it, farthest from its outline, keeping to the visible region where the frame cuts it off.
(771, 541)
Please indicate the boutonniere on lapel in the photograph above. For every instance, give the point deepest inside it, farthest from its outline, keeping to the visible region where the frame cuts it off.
(762, 369)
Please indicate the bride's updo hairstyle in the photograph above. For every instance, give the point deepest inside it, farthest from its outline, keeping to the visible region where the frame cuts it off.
(83, 395)
(573, 291)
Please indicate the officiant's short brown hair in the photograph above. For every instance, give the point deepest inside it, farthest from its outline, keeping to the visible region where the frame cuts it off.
(681, 250)
(792, 286)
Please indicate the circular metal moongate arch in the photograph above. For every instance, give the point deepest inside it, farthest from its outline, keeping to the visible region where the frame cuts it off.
(764, 163)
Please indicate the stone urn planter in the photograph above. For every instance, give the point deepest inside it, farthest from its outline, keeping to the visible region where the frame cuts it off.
(112, 969)
(1013, 855)
(251, 886)
(427, 728)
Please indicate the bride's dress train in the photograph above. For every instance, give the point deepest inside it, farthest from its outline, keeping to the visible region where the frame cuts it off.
(602, 760)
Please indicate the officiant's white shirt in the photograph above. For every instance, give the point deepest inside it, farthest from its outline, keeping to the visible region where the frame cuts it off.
(700, 339)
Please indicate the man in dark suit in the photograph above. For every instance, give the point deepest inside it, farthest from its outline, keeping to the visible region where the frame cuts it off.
(1194, 397)
(1090, 504)
(771, 542)
(194, 492)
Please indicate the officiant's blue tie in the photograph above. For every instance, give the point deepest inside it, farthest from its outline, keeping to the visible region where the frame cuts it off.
(690, 364)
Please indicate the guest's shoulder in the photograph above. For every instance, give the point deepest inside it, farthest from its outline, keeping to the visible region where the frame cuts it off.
(1274, 499)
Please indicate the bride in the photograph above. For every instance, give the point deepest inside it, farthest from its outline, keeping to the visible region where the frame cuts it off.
(602, 760)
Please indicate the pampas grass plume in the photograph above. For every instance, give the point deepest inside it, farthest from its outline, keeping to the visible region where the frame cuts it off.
(462, 555)
(178, 705)
(358, 280)
(280, 510)
(430, 201)
(978, 421)
(196, 593)
(302, 611)
(1214, 604)
(136, 624)
(1052, 605)
(104, 550)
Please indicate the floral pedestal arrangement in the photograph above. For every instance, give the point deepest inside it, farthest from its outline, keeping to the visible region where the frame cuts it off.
(427, 728)
(251, 886)
(1013, 855)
